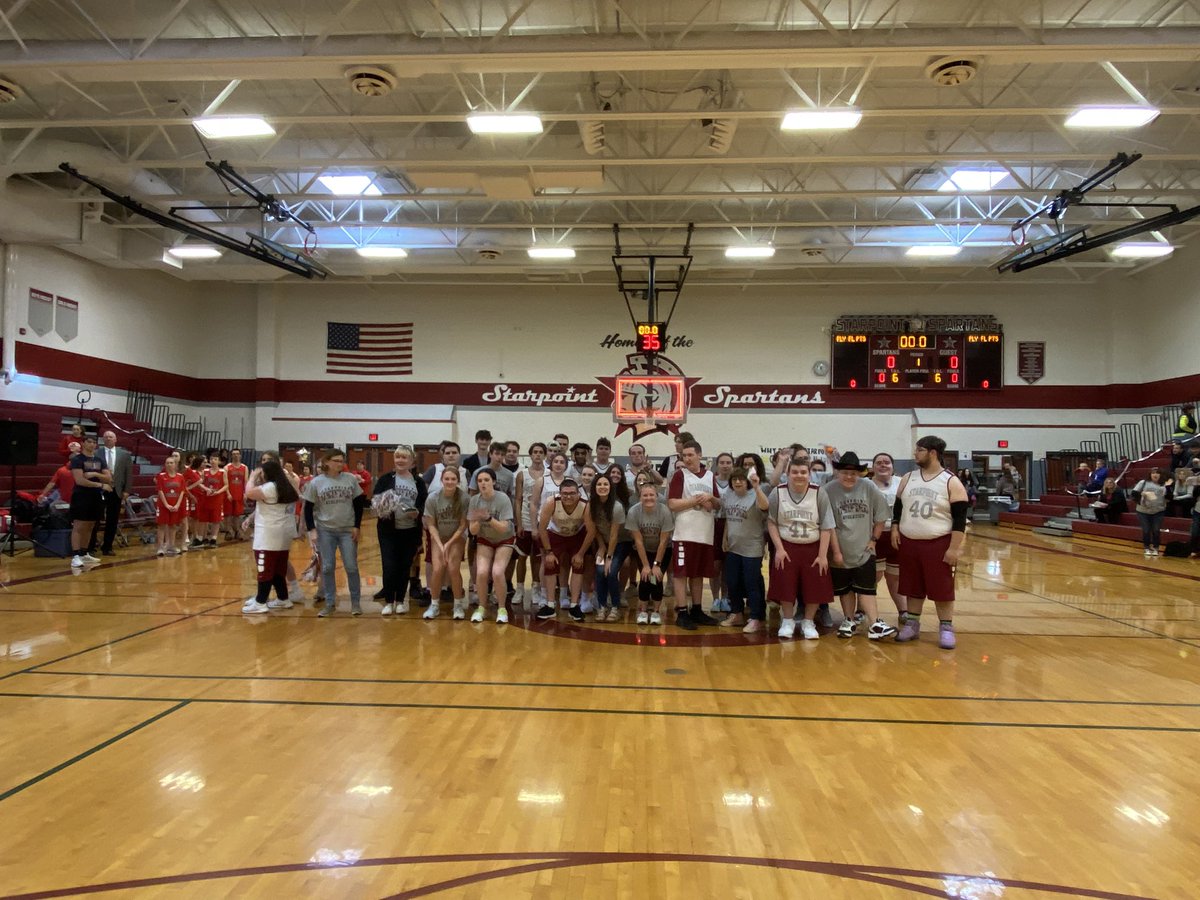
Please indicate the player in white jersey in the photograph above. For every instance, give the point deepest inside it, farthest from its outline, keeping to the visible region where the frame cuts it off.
(800, 523)
(564, 531)
(528, 481)
(693, 499)
(929, 521)
(887, 559)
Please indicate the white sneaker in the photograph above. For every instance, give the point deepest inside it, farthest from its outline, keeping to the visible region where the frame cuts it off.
(502, 616)
(161, 552)
(477, 616)
(253, 606)
(643, 618)
(460, 610)
(387, 610)
(519, 597)
(787, 628)
(279, 604)
(88, 558)
(809, 630)
(402, 608)
(1147, 553)
(1154, 551)
(655, 619)
(77, 562)
(431, 611)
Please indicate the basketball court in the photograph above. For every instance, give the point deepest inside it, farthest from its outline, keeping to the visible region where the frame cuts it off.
(430, 230)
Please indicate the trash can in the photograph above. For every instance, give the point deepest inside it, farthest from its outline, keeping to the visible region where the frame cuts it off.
(997, 504)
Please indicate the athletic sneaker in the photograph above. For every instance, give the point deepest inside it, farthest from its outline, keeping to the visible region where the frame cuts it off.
(848, 628)
(161, 552)
(946, 638)
(643, 618)
(1154, 551)
(502, 616)
(1147, 553)
(909, 631)
(518, 597)
(402, 608)
(253, 606)
(545, 612)
(787, 628)
(173, 552)
(279, 604)
(460, 610)
(325, 612)
(683, 619)
(700, 617)
(860, 617)
(809, 630)
(77, 561)
(477, 616)
(356, 610)
(576, 613)
(88, 558)
(880, 630)
(614, 614)
(388, 609)
(730, 621)
(431, 611)
(824, 617)
(754, 626)
(655, 619)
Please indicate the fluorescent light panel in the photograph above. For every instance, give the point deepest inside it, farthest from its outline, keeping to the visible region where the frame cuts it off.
(752, 251)
(350, 185)
(217, 127)
(973, 180)
(551, 253)
(492, 123)
(934, 251)
(1142, 250)
(1111, 117)
(193, 251)
(382, 252)
(821, 119)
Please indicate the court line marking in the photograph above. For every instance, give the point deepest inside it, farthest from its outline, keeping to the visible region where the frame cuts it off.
(110, 643)
(614, 687)
(684, 714)
(568, 858)
(79, 757)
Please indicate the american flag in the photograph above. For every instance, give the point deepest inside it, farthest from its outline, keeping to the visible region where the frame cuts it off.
(369, 349)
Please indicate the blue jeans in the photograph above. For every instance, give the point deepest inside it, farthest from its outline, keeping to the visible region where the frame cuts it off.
(744, 582)
(327, 543)
(608, 586)
(1150, 525)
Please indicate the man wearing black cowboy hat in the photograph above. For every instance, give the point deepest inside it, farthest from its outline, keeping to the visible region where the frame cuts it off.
(859, 511)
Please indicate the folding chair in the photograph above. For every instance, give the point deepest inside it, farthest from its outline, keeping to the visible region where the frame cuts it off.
(140, 513)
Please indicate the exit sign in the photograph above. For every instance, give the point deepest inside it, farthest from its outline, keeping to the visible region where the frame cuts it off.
(375, 437)
(1003, 445)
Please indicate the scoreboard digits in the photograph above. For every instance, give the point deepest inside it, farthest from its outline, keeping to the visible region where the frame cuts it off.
(651, 337)
(969, 361)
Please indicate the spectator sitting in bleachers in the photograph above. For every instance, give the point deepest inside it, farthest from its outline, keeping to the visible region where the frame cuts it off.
(1008, 485)
(1083, 474)
(1179, 456)
(1099, 473)
(1111, 503)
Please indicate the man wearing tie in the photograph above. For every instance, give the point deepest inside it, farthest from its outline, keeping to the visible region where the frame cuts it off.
(120, 464)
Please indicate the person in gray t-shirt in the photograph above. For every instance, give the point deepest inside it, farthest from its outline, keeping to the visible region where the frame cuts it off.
(332, 513)
(859, 513)
(490, 520)
(650, 523)
(506, 481)
(745, 511)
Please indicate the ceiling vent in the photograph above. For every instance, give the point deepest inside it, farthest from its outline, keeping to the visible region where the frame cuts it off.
(371, 81)
(812, 252)
(489, 254)
(951, 71)
(8, 91)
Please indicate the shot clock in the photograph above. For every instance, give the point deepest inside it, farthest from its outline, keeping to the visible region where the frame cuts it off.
(651, 337)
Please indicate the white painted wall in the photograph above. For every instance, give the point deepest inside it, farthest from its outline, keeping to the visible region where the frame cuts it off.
(1156, 320)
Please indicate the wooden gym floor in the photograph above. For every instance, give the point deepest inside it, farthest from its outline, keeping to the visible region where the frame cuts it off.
(156, 743)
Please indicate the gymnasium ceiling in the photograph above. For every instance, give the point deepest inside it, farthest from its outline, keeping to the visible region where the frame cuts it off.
(681, 104)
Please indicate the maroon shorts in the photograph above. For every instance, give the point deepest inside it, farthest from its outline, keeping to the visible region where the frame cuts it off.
(884, 554)
(923, 574)
(691, 559)
(525, 542)
(484, 542)
(271, 564)
(799, 580)
(564, 548)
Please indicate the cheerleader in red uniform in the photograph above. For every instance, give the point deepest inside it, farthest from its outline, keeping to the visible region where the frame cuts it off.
(235, 502)
(210, 501)
(172, 499)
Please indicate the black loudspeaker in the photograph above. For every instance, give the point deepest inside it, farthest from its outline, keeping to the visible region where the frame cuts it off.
(18, 443)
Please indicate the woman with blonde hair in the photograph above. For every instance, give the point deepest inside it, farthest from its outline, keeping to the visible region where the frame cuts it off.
(398, 500)
(446, 524)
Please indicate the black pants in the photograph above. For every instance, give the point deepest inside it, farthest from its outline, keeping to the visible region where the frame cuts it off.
(397, 549)
(112, 518)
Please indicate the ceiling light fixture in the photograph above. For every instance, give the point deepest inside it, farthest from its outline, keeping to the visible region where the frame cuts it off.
(973, 180)
(351, 185)
(752, 251)
(218, 127)
(382, 252)
(934, 251)
(193, 251)
(551, 253)
(821, 119)
(504, 123)
(1111, 117)
(1141, 250)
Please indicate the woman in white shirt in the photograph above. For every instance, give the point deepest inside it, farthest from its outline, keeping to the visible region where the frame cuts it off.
(274, 529)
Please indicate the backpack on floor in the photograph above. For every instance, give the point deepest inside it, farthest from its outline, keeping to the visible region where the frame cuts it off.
(1178, 549)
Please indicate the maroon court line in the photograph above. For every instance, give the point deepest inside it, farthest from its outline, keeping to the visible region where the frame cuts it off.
(541, 861)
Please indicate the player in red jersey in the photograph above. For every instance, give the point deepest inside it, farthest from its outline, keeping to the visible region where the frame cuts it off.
(236, 474)
(191, 480)
(210, 500)
(171, 504)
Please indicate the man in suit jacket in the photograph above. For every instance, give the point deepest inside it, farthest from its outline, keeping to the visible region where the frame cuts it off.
(120, 464)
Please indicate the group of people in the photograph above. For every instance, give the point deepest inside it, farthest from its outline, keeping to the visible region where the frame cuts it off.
(591, 532)
(94, 482)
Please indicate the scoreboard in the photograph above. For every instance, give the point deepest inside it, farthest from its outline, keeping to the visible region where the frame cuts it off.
(925, 360)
